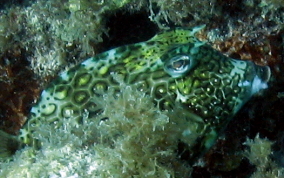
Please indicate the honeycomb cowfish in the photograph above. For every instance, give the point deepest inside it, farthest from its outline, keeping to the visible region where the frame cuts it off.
(173, 67)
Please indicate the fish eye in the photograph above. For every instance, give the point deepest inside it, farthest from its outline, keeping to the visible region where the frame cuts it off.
(178, 65)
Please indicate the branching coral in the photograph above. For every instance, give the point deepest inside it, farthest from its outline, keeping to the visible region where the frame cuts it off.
(259, 153)
(55, 32)
(132, 137)
(55, 28)
(168, 11)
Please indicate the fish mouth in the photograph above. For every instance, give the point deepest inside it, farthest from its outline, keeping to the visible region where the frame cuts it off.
(262, 76)
(263, 72)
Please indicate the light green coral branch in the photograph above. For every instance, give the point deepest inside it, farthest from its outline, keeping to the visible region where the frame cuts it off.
(259, 153)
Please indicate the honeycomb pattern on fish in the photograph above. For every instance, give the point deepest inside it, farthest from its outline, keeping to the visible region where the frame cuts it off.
(172, 67)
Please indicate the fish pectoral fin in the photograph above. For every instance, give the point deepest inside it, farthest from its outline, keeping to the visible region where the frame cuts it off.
(9, 144)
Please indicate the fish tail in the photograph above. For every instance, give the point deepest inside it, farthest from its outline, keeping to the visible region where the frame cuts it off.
(9, 144)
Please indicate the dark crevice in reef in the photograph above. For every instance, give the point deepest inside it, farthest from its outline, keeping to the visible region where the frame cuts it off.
(5, 3)
(18, 88)
(127, 28)
(232, 8)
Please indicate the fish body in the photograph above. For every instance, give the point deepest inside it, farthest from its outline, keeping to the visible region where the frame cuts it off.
(173, 67)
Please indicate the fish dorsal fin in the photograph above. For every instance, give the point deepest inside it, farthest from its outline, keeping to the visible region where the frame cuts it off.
(178, 35)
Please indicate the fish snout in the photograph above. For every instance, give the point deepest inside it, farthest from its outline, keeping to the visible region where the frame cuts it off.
(262, 76)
